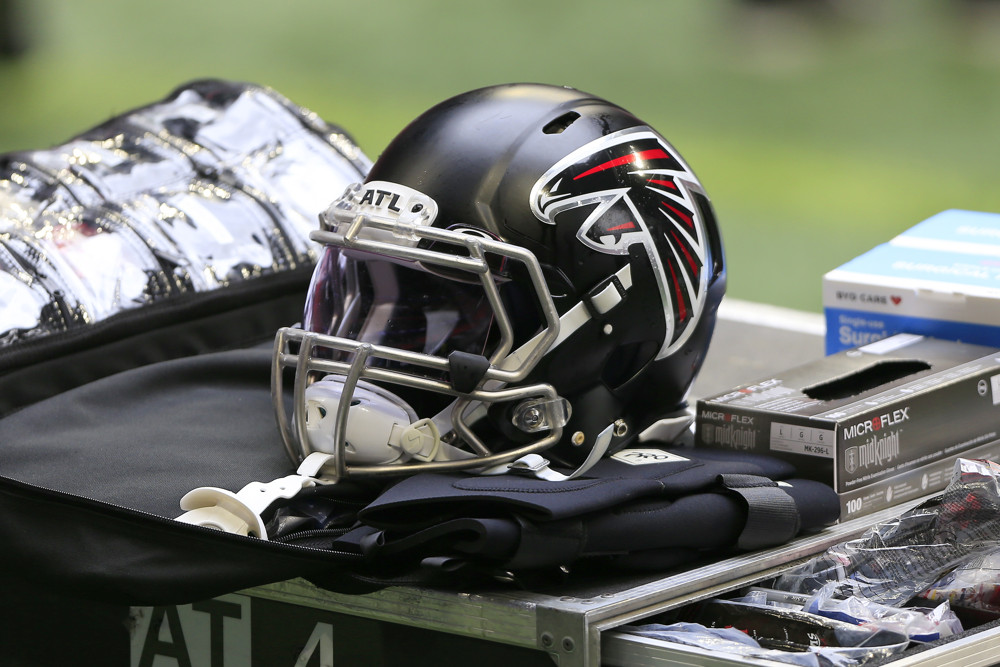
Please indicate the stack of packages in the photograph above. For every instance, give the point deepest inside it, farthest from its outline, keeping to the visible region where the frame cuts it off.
(929, 574)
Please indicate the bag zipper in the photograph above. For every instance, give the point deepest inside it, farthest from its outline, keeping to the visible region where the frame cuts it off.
(104, 507)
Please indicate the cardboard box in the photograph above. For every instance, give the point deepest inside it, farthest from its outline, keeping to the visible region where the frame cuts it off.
(882, 423)
(940, 278)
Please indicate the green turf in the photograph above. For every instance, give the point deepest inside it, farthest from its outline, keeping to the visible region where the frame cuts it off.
(817, 136)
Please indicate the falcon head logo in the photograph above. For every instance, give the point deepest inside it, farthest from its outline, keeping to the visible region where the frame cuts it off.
(640, 192)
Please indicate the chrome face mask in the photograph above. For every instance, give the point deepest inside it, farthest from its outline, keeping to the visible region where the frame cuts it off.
(343, 401)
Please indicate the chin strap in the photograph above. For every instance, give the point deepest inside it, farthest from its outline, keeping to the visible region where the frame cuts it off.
(535, 465)
(241, 512)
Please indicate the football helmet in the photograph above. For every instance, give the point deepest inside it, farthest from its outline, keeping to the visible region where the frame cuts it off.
(526, 268)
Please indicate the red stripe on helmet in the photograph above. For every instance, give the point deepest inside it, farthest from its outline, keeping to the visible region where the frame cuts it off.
(680, 214)
(653, 154)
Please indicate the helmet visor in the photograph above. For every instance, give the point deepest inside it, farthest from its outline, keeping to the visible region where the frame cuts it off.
(397, 304)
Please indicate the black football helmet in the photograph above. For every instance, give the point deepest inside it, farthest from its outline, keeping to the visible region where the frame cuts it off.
(527, 267)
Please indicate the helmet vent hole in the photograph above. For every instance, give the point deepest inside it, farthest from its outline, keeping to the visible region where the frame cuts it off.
(558, 125)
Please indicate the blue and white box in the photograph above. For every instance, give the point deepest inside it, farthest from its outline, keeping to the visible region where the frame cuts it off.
(940, 278)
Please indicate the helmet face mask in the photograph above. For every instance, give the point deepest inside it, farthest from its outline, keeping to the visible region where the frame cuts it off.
(535, 297)
(365, 237)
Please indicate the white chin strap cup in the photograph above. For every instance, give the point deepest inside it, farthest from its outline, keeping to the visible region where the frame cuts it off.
(239, 513)
(381, 427)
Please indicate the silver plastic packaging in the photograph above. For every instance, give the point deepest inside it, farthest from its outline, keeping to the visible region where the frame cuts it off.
(920, 624)
(731, 641)
(895, 560)
(218, 184)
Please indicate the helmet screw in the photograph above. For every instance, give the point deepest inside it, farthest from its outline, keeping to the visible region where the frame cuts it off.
(532, 417)
(578, 438)
(621, 428)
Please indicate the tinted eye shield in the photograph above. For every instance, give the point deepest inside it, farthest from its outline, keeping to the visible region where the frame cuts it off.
(408, 236)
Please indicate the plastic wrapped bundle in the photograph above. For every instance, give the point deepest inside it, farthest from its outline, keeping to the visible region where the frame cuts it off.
(217, 184)
(895, 560)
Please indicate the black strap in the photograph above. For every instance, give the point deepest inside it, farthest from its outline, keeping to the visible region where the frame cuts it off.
(772, 517)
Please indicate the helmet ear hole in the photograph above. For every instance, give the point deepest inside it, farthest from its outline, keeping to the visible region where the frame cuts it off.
(626, 361)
